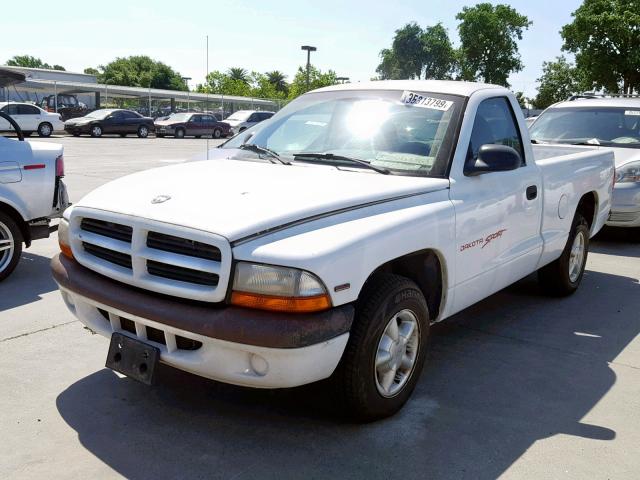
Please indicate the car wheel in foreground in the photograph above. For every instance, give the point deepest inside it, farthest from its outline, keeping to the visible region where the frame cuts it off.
(217, 133)
(45, 129)
(179, 133)
(96, 131)
(562, 276)
(386, 350)
(10, 245)
(143, 132)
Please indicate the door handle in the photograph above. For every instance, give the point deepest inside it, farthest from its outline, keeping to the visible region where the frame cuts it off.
(532, 192)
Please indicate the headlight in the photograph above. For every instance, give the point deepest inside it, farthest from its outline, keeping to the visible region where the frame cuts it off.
(628, 173)
(281, 289)
(63, 238)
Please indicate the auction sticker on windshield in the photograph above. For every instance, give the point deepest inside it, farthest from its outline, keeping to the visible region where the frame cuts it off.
(415, 99)
(632, 112)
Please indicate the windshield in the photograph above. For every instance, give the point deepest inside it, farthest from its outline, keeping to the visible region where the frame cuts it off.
(240, 115)
(99, 114)
(179, 117)
(381, 127)
(613, 126)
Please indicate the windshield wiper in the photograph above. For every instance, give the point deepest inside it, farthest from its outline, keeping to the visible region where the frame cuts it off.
(263, 150)
(594, 142)
(340, 158)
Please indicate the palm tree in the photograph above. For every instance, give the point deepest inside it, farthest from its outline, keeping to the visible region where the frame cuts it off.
(237, 73)
(278, 80)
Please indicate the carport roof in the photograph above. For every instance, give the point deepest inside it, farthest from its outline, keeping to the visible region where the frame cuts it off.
(136, 92)
(10, 77)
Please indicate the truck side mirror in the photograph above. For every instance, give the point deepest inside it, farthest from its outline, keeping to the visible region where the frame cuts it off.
(493, 158)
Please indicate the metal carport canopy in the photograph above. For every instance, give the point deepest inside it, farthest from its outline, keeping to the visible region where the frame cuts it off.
(10, 77)
(140, 92)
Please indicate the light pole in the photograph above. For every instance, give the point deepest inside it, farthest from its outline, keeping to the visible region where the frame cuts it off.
(309, 49)
(186, 82)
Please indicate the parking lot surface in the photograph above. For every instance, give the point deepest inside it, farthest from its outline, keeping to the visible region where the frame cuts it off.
(518, 386)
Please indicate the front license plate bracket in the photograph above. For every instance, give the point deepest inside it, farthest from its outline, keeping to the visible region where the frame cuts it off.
(132, 358)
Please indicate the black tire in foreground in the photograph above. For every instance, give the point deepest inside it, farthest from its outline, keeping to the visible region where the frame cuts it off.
(96, 131)
(10, 245)
(386, 350)
(562, 276)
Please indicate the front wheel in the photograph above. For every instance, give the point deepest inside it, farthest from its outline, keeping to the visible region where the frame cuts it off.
(143, 131)
(217, 133)
(45, 129)
(386, 350)
(179, 133)
(562, 276)
(10, 245)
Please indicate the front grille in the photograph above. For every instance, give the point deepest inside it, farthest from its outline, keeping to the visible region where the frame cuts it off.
(153, 334)
(182, 246)
(181, 274)
(160, 257)
(107, 229)
(108, 255)
(623, 216)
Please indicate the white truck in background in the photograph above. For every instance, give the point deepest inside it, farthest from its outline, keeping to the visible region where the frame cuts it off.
(326, 242)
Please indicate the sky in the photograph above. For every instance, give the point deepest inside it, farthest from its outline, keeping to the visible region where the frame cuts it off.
(254, 34)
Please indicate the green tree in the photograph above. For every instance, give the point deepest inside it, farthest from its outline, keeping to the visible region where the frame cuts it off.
(240, 74)
(560, 79)
(141, 71)
(278, 80)
(317, 79)
(488, 34)
(438, 54)
(29, 61)
(522, 100)
(388, 69)
(91, 71)
(222, 83)
(605, 38)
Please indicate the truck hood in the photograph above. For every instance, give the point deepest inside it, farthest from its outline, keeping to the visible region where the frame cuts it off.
(236, 199)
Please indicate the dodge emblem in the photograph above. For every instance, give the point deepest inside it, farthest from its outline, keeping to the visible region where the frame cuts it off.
(161, 199)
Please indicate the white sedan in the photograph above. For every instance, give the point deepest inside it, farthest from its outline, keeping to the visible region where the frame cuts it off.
(30, 119)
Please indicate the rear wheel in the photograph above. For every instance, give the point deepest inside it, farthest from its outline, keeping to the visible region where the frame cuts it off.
(10, 245)
(143, 131)
(45, 129)
(562, 276)
(179, 133)
(386, 350)
(96, 131)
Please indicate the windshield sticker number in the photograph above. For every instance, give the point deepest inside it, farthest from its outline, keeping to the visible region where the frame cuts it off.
(634, 113)
(417, 100)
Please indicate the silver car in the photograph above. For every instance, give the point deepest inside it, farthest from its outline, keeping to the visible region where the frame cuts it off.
(243, 119)
(602, 122)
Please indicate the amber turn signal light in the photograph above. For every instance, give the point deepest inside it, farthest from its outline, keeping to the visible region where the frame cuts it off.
(281, 304)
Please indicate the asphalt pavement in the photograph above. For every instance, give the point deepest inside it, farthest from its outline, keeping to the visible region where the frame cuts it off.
(518, 386)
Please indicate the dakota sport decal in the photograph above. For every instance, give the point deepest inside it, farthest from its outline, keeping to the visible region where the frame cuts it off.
(483, 241)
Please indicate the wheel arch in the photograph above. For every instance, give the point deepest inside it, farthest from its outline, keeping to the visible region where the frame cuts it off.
(588, 207)
(17, 217)
(428, 269)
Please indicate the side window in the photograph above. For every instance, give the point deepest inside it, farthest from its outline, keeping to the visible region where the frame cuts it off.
(27, 110)
(253, 118)
(197, 118)
(495, 123)
(12, 110)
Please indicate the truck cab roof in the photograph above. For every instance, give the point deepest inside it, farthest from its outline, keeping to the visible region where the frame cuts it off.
(465, 89)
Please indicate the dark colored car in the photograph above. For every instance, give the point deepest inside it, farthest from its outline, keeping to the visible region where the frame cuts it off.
(99, 122)
(68, 106)
(196, 125)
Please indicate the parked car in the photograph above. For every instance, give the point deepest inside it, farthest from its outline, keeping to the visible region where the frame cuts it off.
(99, 122)
(243, 119)
(334, 238)
(191, 124)
(32, 193)
(30, 119)
(68, 106)
(613, 123)
(530, 120)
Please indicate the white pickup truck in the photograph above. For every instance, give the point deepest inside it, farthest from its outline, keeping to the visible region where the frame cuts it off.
(326, 244)
(31, 194)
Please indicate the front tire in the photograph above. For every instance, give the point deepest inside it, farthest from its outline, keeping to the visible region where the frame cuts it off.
(45, 129)
(217, 133)
(96, 131)
(10, 245)
(386, 351)
(179, 133)
(563, 276)
(143, 131)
